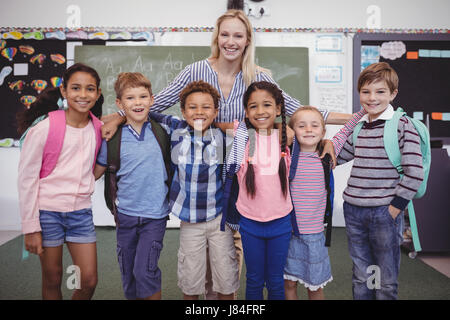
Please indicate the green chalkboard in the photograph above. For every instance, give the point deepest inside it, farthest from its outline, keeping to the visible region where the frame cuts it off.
(289, 66)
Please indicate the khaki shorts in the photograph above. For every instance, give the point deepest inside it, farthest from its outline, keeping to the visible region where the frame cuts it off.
(194, 239)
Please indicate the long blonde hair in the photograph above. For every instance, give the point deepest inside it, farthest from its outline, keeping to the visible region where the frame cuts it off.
(248, 66)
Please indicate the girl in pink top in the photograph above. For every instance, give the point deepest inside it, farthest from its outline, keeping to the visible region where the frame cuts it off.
(264, 202)
(55, 196)
(308, 261)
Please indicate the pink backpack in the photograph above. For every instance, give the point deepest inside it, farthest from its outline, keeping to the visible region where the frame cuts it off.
(55, 139)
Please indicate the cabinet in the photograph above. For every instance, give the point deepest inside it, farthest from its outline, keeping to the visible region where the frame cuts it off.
(433, 209)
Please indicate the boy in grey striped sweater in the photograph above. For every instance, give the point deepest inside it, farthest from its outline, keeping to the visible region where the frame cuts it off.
(376, 196)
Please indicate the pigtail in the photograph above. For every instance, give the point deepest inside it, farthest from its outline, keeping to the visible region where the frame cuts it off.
(250, 174)
(282, 167)
(46, 102)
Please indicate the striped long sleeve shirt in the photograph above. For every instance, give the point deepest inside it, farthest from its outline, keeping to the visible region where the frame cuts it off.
(308, 191)
(374, 181)
(231, 108)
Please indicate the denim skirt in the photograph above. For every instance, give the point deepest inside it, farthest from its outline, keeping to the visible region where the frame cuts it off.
(308, 261)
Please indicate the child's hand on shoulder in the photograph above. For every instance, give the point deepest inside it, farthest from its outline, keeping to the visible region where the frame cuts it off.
(328, 147)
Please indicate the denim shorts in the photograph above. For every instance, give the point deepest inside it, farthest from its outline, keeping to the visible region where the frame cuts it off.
(308, 261)
(74, 226)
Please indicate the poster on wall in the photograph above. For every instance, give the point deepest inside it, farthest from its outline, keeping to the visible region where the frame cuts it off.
(27, 67)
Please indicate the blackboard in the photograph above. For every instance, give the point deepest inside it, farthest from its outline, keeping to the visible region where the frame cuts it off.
(289, 66)
(423, 69)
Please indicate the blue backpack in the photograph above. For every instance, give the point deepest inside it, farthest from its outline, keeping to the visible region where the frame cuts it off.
(393, 151)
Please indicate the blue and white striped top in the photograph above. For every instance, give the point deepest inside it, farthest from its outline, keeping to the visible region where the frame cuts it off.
(230, 109)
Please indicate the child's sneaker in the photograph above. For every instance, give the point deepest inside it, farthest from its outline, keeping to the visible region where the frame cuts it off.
(8, 142)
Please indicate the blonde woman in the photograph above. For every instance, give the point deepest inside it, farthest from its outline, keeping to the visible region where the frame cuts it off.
(230, 69)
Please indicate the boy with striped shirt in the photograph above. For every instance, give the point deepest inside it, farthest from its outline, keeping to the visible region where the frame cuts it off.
(376, 195)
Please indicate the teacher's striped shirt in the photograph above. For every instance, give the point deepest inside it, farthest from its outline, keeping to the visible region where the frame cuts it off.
(230, 109)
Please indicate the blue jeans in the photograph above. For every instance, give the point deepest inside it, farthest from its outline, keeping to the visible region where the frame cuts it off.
(374, 240)
(139, 244)
(265, 247)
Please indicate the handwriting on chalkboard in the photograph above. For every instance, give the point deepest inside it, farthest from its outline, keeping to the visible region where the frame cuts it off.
(162, 64)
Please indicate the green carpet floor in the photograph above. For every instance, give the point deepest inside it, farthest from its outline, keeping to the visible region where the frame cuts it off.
(22, 279)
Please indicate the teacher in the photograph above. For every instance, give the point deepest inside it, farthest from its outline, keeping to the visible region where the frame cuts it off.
(230, 69)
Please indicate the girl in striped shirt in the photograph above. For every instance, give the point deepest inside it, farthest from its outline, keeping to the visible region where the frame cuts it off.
(308, 261)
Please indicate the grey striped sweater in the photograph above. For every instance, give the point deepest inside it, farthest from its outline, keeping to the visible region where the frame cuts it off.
(373, 180)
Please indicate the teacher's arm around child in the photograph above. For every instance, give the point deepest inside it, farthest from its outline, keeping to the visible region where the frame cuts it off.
(56, 181)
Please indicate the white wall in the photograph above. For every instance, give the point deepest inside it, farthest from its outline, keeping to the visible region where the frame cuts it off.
(9, 206)
(411, 14)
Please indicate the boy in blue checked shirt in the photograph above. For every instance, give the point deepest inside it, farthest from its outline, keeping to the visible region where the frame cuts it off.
(196, 193)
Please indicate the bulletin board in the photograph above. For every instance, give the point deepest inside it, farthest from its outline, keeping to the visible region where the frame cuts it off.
(26, 68)
(422, 62)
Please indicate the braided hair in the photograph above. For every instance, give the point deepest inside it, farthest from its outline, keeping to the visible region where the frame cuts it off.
(277, 94)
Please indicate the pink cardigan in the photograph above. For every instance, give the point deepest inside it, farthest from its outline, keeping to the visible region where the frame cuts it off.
(68, 187)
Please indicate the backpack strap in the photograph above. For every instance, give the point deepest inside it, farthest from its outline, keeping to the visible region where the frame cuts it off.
(329, 182)
(355, 134)
(390, 140)
(54, 142)
(230, 215)
(295, 152)
(393, 151)
(113, 165)
(98, 134)
(164, 143)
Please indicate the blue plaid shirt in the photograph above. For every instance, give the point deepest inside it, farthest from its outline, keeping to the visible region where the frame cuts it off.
(196, 191)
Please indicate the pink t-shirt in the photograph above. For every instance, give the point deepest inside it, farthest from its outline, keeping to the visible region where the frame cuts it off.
(269, 202)
(71, 183)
